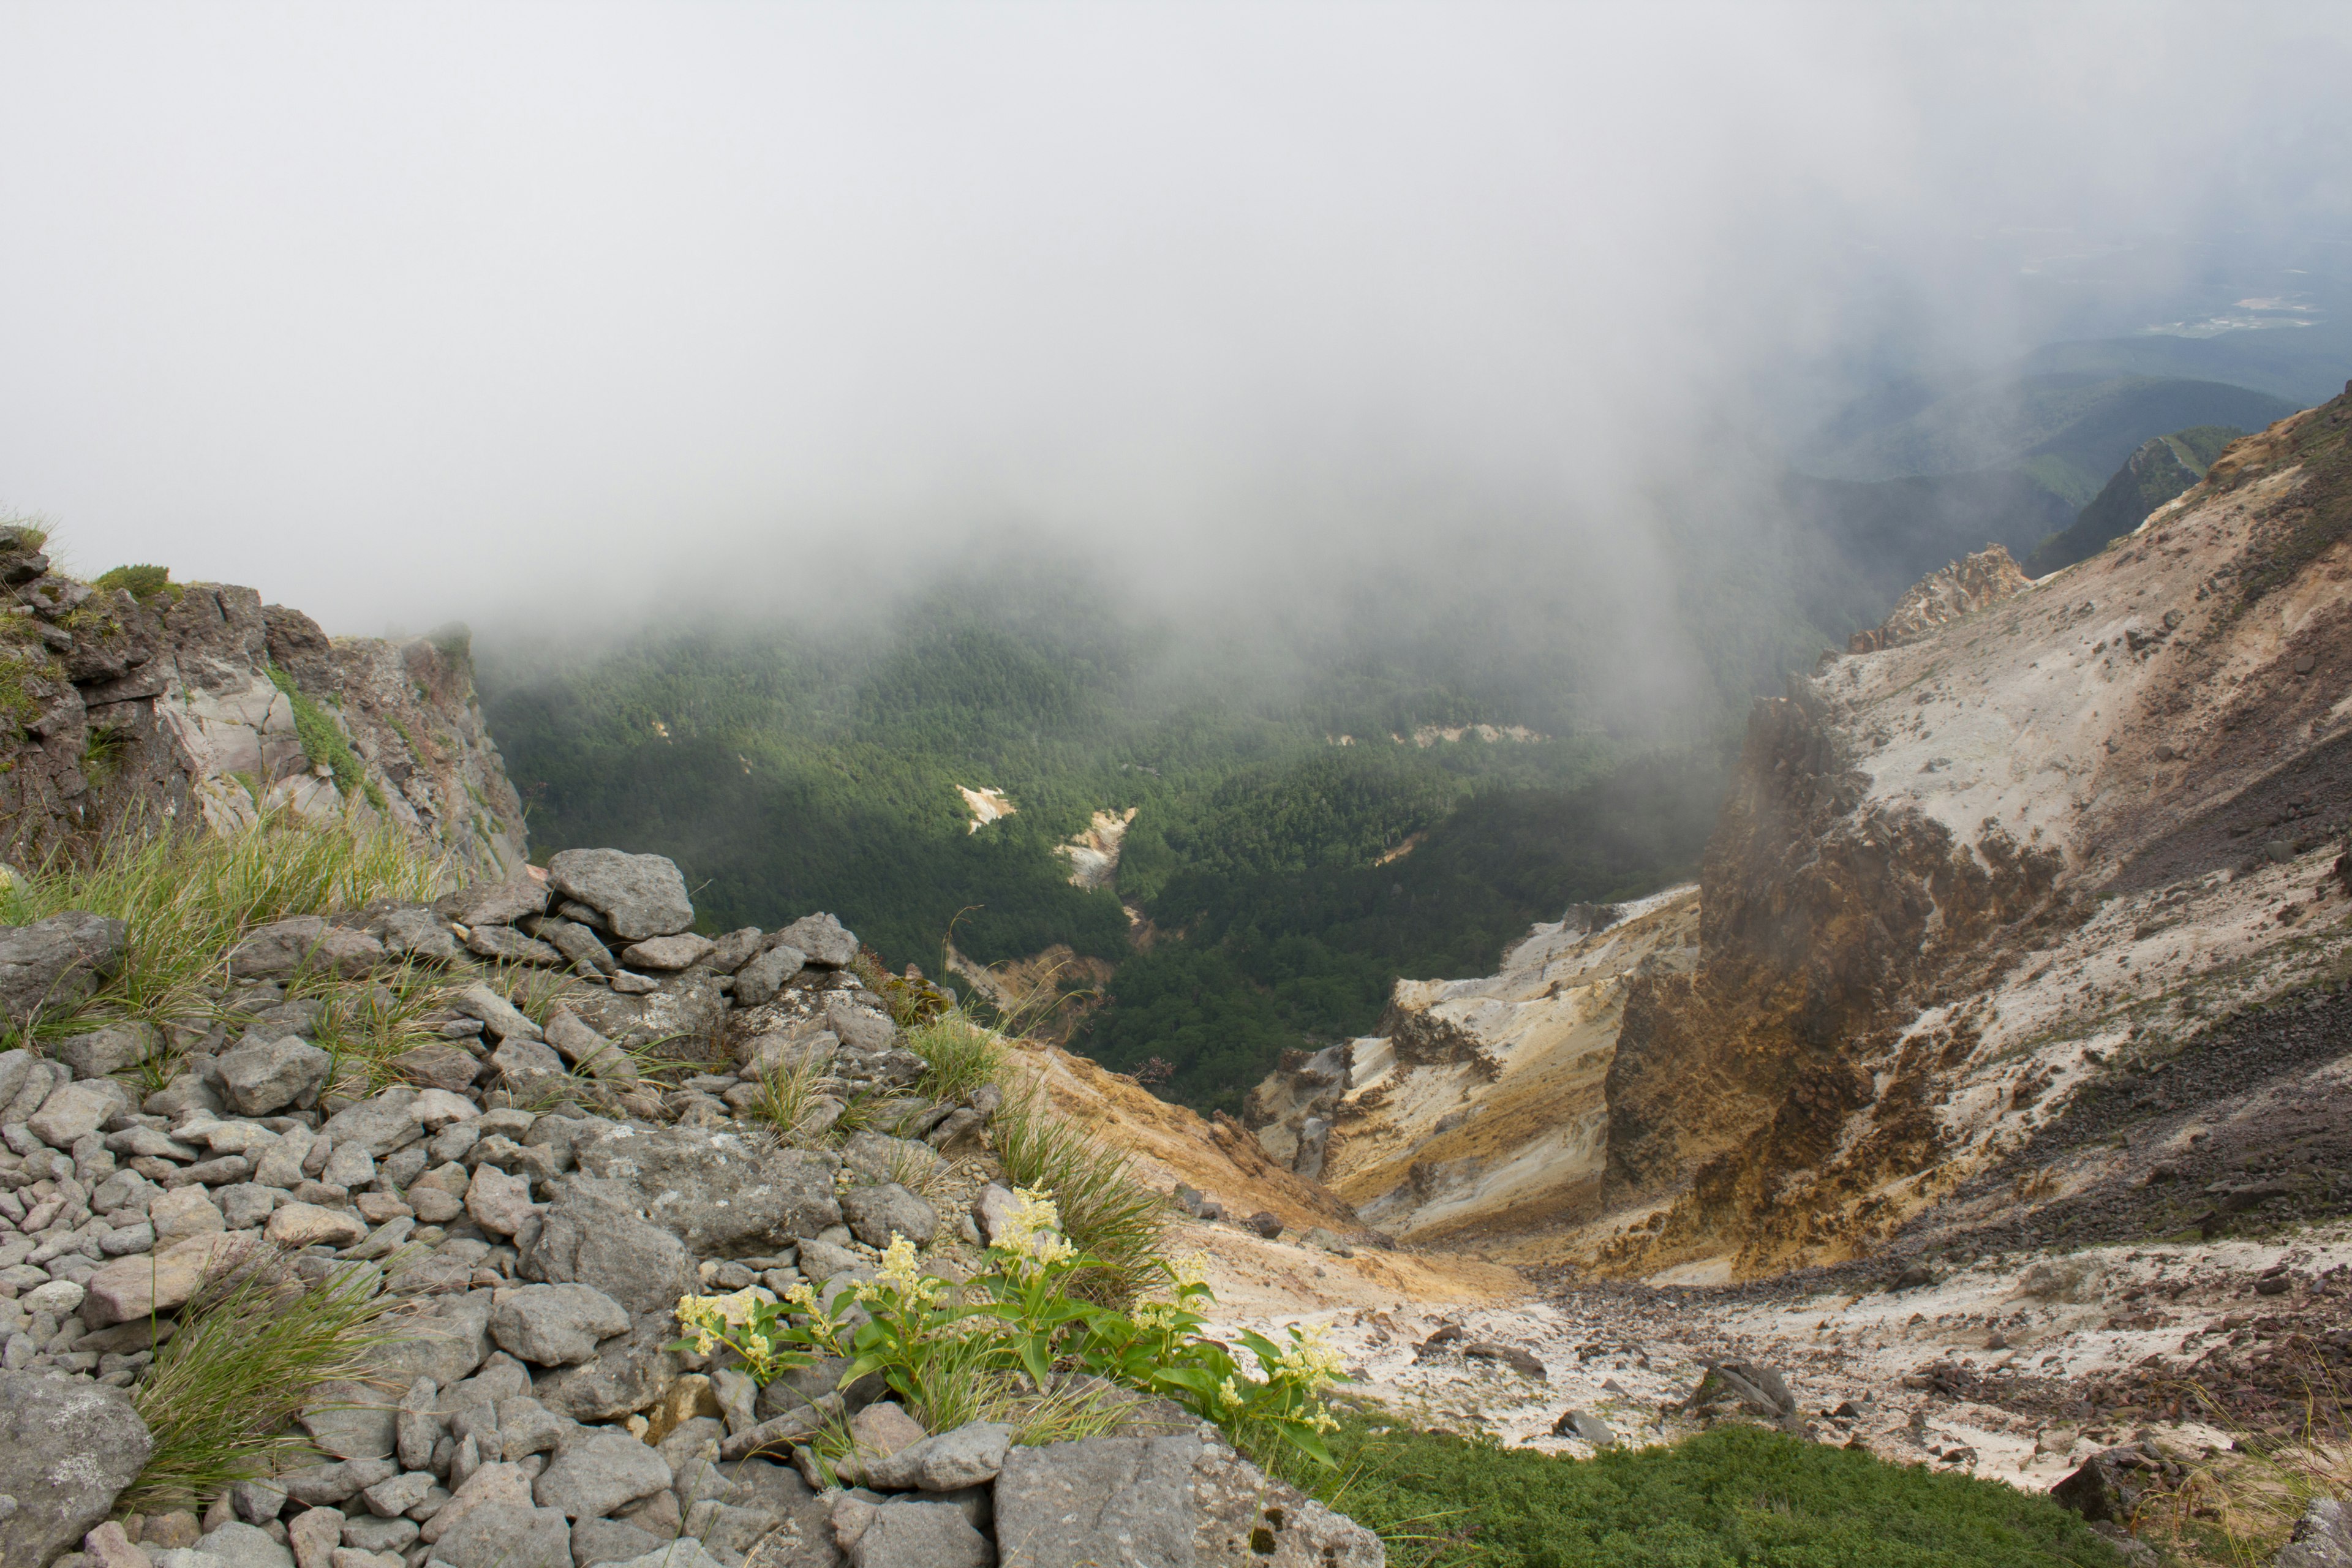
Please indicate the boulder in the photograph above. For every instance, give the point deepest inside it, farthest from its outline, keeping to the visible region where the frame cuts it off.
(302, 944)
(67, 1449)
(119, 1047)
(507, 1535)
(555, 1325)
(501, 1017)
(138, 1286)
(351, 1420)
(875, 1215)
(498, 904)
(380, 1123)
(261, 1076)
(1742, 1390)
(498, 1202)
(604, 1542)
(444, 1342)
(53, 964)
(899, 1534)
(631, 1372)
(182, 1213)
(504, 944)
(600, 1474)
(235, 1544)
(718, 1192)
(690, 1554)
(664, 954)
(2322, 1538)
(859, 1028)
(965, 1457)
(75, 1110)
(436, 1066)
(822, 937)
(296, 1225)
(639, 896)
(594, 1236)
(585, 1048)
(412, 931)
(757, 981)
(737, 948)
(2107, 1486)
(1146, 1501)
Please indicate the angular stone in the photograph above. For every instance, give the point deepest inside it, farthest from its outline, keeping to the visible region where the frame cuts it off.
(75, 1110)
(936, 1534)
(119, 1047)
(632, 1372)
(297, 1225)
(313, 1535)
(578, 944)
(585, 1048)
(667, 953)
(498, 904)
(261, 1076)
(499, 1016)
(640, 896)
(596, 1541)
(239, 1545)
(498, 1202)
(380, 1123)
(507, 946)
(735, 948)
(434, 1109)
(507, 1535)
(875, 1215)
(53, 964)
(530, 1069)
(718, 1192)
(437, 1067)
(759, 980)
(594, 1236)
(690, 1554)
(352, 1420)
(444, 1342)
(278, 950)
(965, 1457)
(601, 1474)
(556, 1325)
(137, 1285)
(67, 1448)
(412, 931)
(822, 937)
(490, 1486)
(186, 1212)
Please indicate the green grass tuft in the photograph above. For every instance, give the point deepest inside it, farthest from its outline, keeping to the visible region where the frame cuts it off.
(250, 1348)
(142, 583)
(322, 741)
(1107, 1211)
(1737, 1496)
(189, 896)
(960, 1057)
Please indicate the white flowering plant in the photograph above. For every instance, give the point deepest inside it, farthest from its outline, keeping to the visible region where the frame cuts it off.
(750, 1322)
(1016, 1321)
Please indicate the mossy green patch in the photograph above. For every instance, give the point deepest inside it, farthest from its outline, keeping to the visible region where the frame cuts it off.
(142, 583)
(1737, 1496)
(322, 741)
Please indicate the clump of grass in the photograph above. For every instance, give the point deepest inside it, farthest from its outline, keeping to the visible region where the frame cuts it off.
(788, 1099)
(1108, 1212)
(367, 1028)
(1732, 1495)
(322, 740)
(960, 1057)
(188, 896)
(2240, 1507)
(251, 1346)
(142, 583)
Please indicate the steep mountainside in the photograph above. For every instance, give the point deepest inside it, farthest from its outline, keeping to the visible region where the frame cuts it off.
(2162, 467)
(2017, 851)
(197, 697)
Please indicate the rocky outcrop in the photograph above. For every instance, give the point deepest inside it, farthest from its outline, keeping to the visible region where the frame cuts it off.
(1941, 598)
(197, 703)
(1919, 836)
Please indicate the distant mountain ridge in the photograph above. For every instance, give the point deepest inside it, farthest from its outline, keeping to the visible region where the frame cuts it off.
(2163, 467)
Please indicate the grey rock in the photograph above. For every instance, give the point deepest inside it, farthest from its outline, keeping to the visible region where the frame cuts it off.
(262, 1076)
(1149, 1501)
(498, 904)
(690, 1554)
(499, 1016)
(936, 1534)
(640, 896)
(304, 942)
(525, 1426)
(396, 1495)
(718, 1192)
(600, 1474)
(380, 1124)
(585, 1048)
(608, 1540)
(258, 1502)
(964, 1456)
(352, 1420)
(822, 937)
(578, 944)
(630, 1374)
(727, 1529)
(67, 1448)
(244, 1204)
(507, 1535)
(1585, 1427)
(504, 944)
(418, 1425)
(52, 964)
(860, 1028)
(733, 951)
(367, 1533)
(664, 953)
(529, 1068)
(823, 1260)
(245, 1546)
(757, 981)
(594, 1236)
(875, 1215)
(314, 1534)
(74, 1111)
(2322, 1538)
(497, 1202)
(445, 1343)
(116, 1049)
(556, 1325)
(878, 1157)
(412, 931)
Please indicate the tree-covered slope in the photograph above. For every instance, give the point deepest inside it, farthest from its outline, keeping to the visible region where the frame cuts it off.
(2162, 468)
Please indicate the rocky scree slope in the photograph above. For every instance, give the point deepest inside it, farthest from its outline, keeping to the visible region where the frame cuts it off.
(533, 1195)
(198, 701)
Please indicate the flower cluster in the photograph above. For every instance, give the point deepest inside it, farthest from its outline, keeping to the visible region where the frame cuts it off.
(1032, 1236)
(900, 1278)
(746, 1322)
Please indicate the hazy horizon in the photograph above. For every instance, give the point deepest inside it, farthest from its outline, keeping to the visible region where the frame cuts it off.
(556, 316)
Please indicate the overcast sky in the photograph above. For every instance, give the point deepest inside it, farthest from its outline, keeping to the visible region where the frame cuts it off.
(406, 312)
